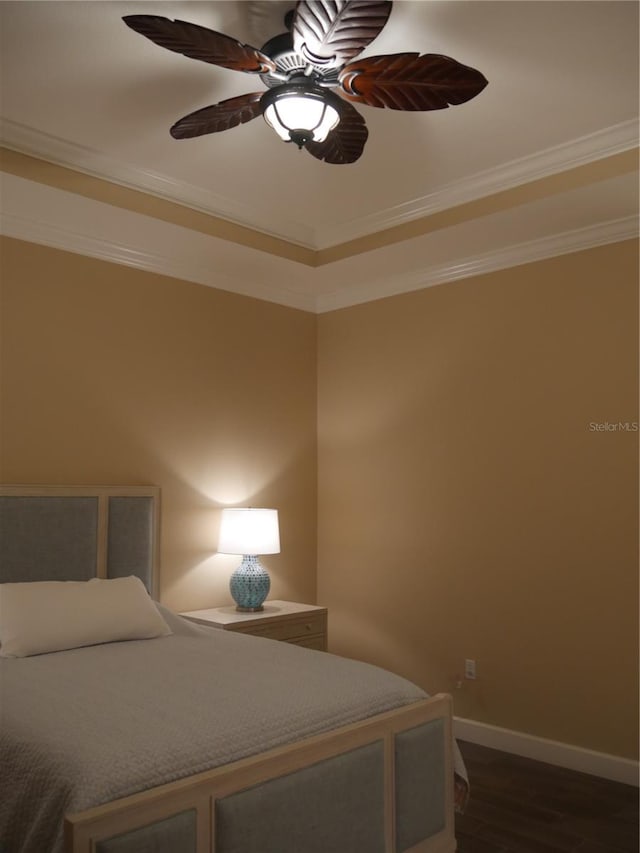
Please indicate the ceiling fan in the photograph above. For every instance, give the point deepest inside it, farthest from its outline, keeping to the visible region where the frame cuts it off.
(301, 69)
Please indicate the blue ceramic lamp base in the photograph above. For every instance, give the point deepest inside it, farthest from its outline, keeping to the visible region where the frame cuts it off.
(249, 585)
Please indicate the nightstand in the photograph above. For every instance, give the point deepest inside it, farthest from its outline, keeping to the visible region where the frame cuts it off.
(301, 624)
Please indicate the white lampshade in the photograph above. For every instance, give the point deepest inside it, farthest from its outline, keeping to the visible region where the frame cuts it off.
(298, 111)
(249, 531)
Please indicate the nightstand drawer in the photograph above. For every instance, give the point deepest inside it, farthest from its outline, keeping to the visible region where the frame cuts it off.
(319, 642)
(289, 629)
(302, 624)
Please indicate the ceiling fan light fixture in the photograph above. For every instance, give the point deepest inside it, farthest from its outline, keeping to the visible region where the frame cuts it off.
(318, 53)
(301, 112)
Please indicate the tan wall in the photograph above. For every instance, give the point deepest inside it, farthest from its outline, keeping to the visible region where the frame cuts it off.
(116, 376)
(467, 510)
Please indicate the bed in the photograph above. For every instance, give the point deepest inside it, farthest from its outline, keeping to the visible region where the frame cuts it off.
(197, 740)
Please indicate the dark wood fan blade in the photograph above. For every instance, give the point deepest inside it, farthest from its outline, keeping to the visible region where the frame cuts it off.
(408, 81)
(329, 33)
(222, 116)
(200, 43)
(346, 143)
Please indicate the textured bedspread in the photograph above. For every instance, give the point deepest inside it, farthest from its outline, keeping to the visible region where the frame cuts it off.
(82, 727)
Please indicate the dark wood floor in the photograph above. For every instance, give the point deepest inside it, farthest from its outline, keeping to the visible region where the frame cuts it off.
(523, 806)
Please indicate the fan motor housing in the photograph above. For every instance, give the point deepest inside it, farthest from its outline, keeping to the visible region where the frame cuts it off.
(291, 63)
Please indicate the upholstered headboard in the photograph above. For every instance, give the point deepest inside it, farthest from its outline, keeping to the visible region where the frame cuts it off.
(79, 532)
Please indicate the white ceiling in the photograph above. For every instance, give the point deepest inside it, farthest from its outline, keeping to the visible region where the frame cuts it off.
(81, 89)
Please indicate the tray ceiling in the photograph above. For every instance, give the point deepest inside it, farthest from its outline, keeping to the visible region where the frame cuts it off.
(548, 149)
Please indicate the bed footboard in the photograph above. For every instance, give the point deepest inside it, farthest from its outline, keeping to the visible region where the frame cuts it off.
(383, 785)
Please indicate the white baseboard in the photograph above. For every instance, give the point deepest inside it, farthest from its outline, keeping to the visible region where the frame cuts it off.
(550, 751)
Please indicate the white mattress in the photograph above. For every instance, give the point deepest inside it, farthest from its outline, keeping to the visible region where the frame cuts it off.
(86, 726)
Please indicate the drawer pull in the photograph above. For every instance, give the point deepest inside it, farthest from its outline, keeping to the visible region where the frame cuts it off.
(308, 626)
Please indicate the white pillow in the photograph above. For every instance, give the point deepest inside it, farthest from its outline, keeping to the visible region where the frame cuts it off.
(48, 616)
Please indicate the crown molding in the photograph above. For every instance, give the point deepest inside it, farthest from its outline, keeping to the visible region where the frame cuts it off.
(21, 228)
(347, 295)
(564, 243)
(53, 149)
(560, 158)
(592, 147)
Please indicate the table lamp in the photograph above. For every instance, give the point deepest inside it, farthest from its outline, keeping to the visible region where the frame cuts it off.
(250, 532)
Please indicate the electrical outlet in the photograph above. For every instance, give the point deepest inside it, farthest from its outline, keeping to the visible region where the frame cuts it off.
(469, 669)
